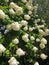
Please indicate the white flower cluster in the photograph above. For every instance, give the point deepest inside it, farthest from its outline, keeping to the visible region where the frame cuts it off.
(37, 40)
(20, 52)
(32, 38)
(11, 11)
(37, 20)
(44, 33)
(24, 1)
(43, 43)
(47, 31)
(35, 8)
(29, 5)
(24, 23)
(36, 63)
(25, 37)
(6, 0)
(15, 41)
(26, 17)
(2, 48)
(25, 28)
(43, 56)
(18, 10)
(13, 61)
(2, 14)
(30, 12)
(35, 49)
(30, 29)
(40, 28)
(15, 26)
(8, 27)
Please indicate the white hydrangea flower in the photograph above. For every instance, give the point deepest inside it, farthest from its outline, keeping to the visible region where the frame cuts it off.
(35, 49)
(36, 15)
(44, 41)
(6, 0)
(2, 48)
(42, 46)
(30, 28)
(19, 11)
(47, 31)
(38, 20)
(9, 27)
(35, 21)
(37, 40)
(30, 1)
(2, 14)
(27, 17)
(24, 1)
(15, 41)
(13, 5)
(36, 25)
(30, 12)
(40, 26)
(13, 61)
(25, 28)
(15, 26)
(25, 38)
(36, 7)
(36, 63)
(11, 11)
(29, 7)
(41, 32)
(43, 56)
(20, 52)
(43, 21)
(24, 22)
(32, 38)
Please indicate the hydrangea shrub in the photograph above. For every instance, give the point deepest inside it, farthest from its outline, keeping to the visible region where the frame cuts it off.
(22, 33)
